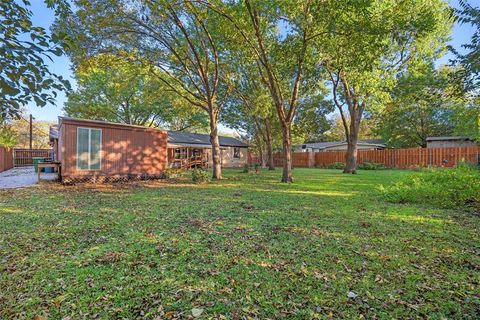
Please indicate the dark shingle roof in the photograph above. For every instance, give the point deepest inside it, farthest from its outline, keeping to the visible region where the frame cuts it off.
(448, 138)
(323, 145)
(180, 137)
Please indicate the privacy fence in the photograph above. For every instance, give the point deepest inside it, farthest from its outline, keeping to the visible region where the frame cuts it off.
(24, 157)
(6, 159)
(390, 158)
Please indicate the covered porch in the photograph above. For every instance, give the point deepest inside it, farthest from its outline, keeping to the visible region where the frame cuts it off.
(189, 157)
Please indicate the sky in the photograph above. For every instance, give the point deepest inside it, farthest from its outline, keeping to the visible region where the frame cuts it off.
(44, 17)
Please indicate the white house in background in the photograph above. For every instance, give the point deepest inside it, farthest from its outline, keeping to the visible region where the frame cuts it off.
(370, 144)
(453, 141)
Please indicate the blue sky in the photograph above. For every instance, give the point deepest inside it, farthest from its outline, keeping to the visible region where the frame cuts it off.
(42, 16)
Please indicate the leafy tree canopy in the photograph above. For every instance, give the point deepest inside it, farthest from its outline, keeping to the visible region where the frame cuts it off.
(121, 88)
(24, 49)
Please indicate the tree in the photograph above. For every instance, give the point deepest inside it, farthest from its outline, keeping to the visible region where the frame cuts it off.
(250, 110)
(423, 104)
(374, 42)
(119, 89)
(15, 132)
(179, 39)
(24, 75)
(284, 56)
(367, 130)
(468, 119)
(311, 123)
(470, 61)
(8, 137)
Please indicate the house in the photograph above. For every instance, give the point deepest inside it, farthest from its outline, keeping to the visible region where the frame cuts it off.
(186, 150)
(372, 144)
(91, 150)
(453, 141)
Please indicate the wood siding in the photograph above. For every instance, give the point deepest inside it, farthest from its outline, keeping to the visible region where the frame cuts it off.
(6, 159)
(125, 150)
(391, 158)
(24, 157)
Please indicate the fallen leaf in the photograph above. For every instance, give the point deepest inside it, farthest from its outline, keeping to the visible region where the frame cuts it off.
(196, 312)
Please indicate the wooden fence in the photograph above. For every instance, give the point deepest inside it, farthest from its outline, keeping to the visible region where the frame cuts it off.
(390, 158)
(24, 157)
(6, 159)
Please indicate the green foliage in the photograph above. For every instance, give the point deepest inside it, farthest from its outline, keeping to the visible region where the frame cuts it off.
(199, 175)
(24, 75)
(8, 136)
(246, 168)
(173, 173)
(367, 165)
(120, 88)
(470, 14)
(336, 165)
(446, 188)
(424, 103)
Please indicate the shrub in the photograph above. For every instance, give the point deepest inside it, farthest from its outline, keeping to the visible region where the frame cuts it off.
(367, 165)
(336, 165)
(246, 168)
(199, 176)
(172, 173)
(446, 188)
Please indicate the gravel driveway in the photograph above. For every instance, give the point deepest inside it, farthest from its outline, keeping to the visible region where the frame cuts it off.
(22, 177)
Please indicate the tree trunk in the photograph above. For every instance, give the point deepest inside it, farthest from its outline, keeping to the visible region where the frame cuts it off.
(352, 139)
(269, 145)
(217, 164)
(261, 153)
(287, 154)
(351, 158)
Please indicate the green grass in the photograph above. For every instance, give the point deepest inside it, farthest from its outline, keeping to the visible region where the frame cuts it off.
(244, 247)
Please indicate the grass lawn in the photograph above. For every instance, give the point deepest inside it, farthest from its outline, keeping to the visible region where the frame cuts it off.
(326, 246)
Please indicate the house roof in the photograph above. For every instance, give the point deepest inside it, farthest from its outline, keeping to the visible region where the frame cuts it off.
(192, 139)
(174, 137)
(449, 138)
(324, 145)
(109, 123)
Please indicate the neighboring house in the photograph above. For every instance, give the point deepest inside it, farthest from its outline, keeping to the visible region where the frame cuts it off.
(99, 150)
(446, 142)
(373, 144)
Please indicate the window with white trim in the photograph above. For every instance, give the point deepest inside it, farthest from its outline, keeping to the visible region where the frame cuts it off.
(89, 146)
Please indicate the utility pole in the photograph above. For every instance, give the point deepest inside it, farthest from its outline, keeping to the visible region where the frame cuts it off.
(31, 131)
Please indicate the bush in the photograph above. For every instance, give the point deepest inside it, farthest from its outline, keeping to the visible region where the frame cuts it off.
(446, 188)
(199, 176)
(172, 173)
(367, 165)
(246, 168)
(336, 165)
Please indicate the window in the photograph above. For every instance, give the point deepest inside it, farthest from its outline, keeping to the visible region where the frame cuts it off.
(236, 152)
(89, 146)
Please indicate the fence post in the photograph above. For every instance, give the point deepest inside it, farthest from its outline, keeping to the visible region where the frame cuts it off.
(311, 159)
